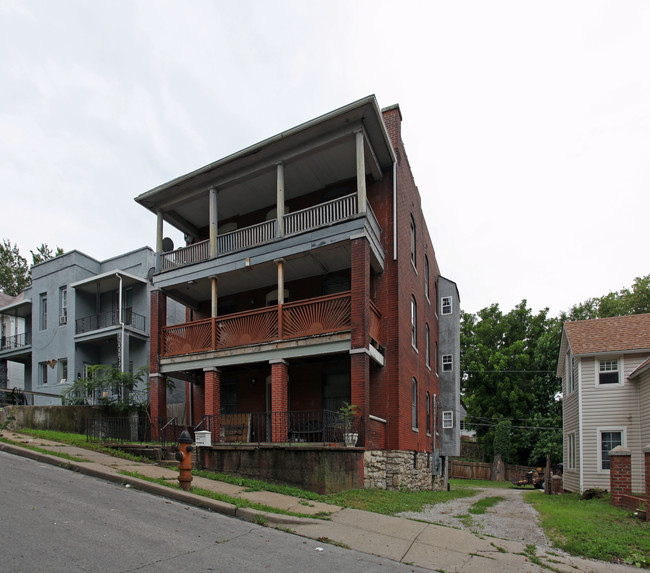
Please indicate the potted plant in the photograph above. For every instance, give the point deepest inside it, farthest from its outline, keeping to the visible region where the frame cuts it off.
(347, 414)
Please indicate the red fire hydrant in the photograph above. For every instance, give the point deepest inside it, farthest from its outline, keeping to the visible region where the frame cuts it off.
(184, 457)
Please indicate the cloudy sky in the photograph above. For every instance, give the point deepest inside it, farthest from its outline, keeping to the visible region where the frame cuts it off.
(527, 124)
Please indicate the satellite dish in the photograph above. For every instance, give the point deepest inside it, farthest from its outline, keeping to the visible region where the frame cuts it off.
(168, 245)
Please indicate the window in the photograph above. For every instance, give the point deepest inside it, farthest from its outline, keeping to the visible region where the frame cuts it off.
(427, 405)
(414, 323)
(447, 363)
(609, 439)
(43, 310)
(571, 451)
(446, 305)
(42, 372)
(63, 305)
(448, 419)
(608, 372)
(413, 243)
(427, 342)
(63, 370)
(568, 368)
(426, 276)
(414, 404)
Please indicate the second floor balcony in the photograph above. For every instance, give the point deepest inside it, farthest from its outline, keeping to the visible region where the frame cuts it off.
(109, 319)
(16, 341)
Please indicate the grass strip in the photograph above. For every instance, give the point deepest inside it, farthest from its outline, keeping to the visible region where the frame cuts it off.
(478, 484)
(61, 455)
(593, 528)
(236, 501)
(482, 505)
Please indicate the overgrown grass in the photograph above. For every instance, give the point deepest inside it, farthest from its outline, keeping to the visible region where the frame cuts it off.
(61, 455)
(593, 528)
(79, 441)
(477, 484)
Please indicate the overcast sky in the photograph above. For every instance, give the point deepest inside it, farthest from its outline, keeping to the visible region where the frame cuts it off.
(527, 124)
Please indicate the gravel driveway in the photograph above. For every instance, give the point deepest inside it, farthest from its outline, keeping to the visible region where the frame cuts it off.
(512, 519)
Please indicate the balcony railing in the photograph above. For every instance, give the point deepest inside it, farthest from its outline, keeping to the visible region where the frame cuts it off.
(110, 318)
(305, 220)
(328, 314)
(16, 341)
(297, 427)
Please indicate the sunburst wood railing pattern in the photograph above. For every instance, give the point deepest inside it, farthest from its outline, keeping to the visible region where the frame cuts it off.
(327, 314)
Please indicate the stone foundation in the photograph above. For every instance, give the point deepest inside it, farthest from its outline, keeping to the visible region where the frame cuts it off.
(396, 470)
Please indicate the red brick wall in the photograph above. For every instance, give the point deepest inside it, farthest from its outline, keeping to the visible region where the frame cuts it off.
(620, 475)
(376, 435)
(280, 400)
(212, 394)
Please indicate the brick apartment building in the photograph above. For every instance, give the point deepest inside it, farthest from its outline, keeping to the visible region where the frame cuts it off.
(310, 280)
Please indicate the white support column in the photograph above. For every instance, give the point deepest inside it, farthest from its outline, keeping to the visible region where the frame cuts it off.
(280, 263)
(213, 222)
(213, 285)
(361, 173)
(280, 198)
(159, 232)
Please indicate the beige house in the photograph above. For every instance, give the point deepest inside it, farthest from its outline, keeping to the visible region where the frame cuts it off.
(605, 369)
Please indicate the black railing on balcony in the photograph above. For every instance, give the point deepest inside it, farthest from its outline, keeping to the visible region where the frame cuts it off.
(311, 426)
(16, 341)
(110, 318)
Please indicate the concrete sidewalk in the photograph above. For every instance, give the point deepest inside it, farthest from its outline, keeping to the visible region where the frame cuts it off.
(426, 545)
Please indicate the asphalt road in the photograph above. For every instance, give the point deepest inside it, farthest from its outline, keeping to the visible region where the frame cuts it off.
(57, 520)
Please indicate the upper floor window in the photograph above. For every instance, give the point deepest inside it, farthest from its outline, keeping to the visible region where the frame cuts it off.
(414, 323)
(426, 276)
(414, 403)
(448, 419)
(413, 243)
(446, 305)
(427, 343)
(447, 363)
(609, 373)
(63, 305)
(43, 310)
(435, 356)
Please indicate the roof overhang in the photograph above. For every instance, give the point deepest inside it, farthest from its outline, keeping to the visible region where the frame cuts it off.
(21, 308)
(107, 282)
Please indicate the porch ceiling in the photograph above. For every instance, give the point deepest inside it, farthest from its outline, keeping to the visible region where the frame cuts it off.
(315, 263)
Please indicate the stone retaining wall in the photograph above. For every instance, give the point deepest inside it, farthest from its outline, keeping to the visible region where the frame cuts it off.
(395, 470)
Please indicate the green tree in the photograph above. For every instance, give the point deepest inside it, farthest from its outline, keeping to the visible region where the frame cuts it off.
(14, 271)
(508, 363)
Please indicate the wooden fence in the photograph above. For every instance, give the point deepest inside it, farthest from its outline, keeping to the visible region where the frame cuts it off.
(480, 470)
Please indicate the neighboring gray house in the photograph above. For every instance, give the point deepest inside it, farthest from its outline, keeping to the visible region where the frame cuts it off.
(605, 369)
(449, 367)
(81, 312)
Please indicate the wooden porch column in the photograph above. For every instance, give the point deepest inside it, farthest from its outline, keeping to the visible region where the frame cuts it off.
(213, 296)
(213, 222)
(360, 335)
(280, 199)
(280, 263)
(361, 172)
(279, 400)
(212, 397)
(159, 240)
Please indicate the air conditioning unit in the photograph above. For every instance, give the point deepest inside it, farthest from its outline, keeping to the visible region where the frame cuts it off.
(63, 320)
(62, 381)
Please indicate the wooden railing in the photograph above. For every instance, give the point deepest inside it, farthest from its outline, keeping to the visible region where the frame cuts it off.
(298, 222)
(320, 215)
(328, 314)
(375, 322)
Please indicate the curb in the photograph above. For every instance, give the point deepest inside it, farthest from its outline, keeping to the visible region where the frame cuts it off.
(244, 513)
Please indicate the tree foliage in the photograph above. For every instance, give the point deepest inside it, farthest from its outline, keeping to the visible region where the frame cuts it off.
(508, 363)
(15, 273)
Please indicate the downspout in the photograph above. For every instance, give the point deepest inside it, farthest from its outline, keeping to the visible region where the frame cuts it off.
(121, 323)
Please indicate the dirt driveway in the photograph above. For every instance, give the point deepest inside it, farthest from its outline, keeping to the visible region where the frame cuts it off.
(512, 518)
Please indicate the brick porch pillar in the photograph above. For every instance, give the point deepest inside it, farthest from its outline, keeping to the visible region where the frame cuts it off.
(620, 474)
(646, 453)
(279, 400)
(212, 400)
(157, 385)
(360, 335)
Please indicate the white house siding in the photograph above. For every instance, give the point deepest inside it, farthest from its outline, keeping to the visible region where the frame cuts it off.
(609, 406)
(570, 424)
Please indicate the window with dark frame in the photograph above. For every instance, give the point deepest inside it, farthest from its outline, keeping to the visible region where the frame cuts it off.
(426, 277)
(608, 441)
(446, 305)
(448, 419)
(413, 243)
(43, 310)
(447, 363)
(414, 323)
(427, 343)
(428, 410)
(414, 403)
(608, 372)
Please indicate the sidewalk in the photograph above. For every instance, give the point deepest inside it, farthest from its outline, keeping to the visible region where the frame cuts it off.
(428, 546)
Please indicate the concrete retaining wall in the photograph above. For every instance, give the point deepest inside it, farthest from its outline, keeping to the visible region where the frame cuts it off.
(58, 418)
